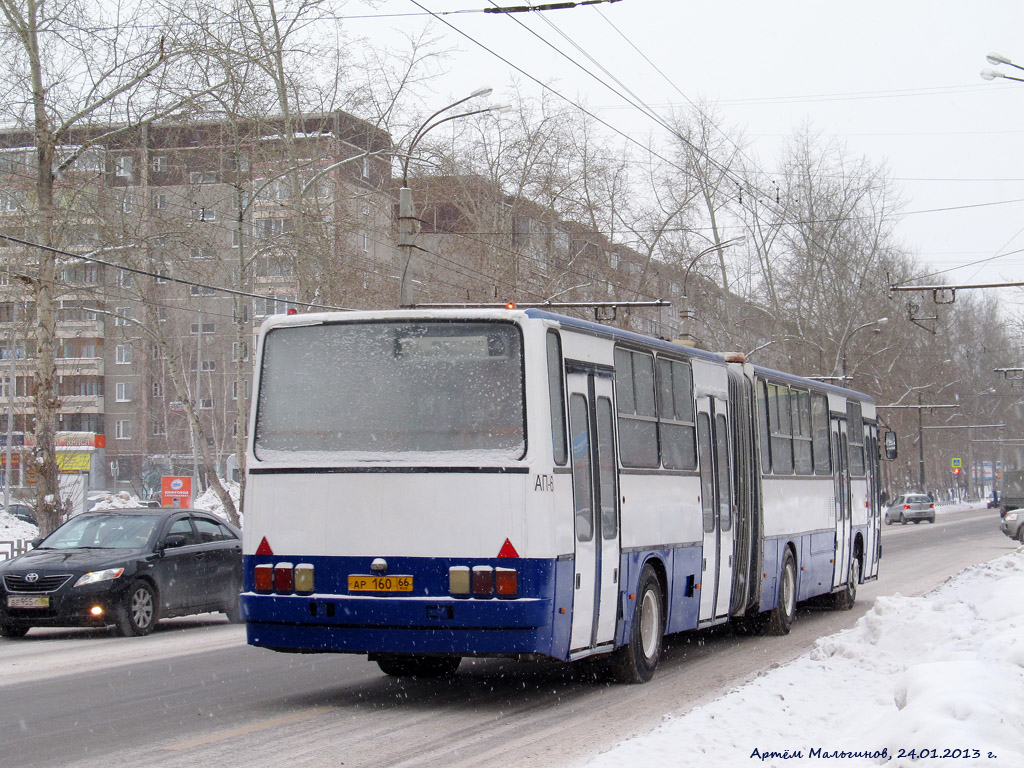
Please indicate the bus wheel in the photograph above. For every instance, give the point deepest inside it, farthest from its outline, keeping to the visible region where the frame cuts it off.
(780, 619)
(844, 599)
(636, 661)
(411, 665)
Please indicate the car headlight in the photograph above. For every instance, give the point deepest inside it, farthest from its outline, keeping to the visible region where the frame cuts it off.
(94, 576)
(1011, 516)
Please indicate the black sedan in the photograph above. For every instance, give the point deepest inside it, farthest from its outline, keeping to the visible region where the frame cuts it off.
(126, 567)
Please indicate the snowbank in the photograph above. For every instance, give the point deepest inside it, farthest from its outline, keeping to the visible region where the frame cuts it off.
(13, 529)
(938, 678)
(210, 501)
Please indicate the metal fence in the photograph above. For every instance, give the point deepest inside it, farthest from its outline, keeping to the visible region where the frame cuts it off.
(9, 549)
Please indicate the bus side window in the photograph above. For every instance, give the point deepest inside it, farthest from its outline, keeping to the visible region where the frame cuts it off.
(762, 426)
(780, 414)
(675, 411)
(638, 419)
(819, 434)
(556, 395)
(802, 461)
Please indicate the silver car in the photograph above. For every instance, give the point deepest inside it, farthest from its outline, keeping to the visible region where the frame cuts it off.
(1012, 524)
(910, 508)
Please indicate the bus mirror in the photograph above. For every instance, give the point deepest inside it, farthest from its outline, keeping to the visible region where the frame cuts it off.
(890, 445)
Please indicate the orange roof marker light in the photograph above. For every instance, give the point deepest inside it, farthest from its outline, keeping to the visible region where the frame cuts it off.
(510, 305)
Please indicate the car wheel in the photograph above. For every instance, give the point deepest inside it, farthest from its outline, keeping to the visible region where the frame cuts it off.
(10, 630)
(636, 661)
(1020, 534)
(412, 665)
(888, 520)
(233, 611)
(847, 596)
(138, 615)
(903, 519)
(916, 522)
(780, 619)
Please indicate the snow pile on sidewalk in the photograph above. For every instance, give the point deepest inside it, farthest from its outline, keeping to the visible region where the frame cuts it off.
(119, 500)
(210, 501)
(13, 529)
(939, 678)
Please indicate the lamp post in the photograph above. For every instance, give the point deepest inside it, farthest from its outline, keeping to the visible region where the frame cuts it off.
(846, 340)
(996, 59)
(684, 310)
(406, 209)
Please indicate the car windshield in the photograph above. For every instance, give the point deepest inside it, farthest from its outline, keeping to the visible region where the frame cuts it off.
(103, 531)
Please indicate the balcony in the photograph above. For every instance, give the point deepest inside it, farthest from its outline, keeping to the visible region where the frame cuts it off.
(79, 366)
(92, 329)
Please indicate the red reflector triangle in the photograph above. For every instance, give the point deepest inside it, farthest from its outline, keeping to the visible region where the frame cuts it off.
(264, 548)
(507, 550)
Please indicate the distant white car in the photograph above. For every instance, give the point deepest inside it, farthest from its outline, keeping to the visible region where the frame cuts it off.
(910, 508)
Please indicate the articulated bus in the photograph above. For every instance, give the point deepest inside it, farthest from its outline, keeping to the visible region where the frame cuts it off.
(427, 485)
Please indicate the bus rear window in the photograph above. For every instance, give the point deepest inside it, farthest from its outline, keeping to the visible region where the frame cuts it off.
(392, 391)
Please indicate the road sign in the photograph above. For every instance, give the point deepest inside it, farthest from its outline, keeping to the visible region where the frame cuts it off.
(957, 463)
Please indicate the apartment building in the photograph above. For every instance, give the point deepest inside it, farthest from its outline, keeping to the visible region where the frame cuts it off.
(165, 216)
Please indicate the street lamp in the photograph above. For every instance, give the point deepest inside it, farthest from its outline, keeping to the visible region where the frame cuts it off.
(846, 340)
(997, 59)
(684, 310)
(406, 209)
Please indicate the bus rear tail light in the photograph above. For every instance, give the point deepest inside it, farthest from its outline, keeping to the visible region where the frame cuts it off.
(284, 579)
(458, 580)
(263, 578)
(506, 582)
(304, 579)
(483, 580)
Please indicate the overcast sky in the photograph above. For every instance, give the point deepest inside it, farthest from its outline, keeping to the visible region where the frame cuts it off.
(896, 81)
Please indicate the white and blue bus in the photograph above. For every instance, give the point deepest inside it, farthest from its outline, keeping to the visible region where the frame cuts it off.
(425, 485)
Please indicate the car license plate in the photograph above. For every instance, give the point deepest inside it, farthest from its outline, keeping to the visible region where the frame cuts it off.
(359, 583)
(22, 601)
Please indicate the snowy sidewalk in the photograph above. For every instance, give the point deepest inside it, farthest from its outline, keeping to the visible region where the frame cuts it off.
(936, 680)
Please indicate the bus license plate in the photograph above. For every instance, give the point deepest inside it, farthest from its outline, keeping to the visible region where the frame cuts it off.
(21, 601)
(357, 583)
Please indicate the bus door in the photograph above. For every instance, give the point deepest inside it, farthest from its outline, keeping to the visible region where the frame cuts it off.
(716, 507)
(870, 564)
(595, 501)
(841, 474)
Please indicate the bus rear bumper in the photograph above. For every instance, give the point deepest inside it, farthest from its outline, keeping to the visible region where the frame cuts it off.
(342, 624)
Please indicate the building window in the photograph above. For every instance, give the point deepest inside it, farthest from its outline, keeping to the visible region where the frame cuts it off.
(207, 328)
(206, 252)
(159, 164)
(158, 388)
(202, 177)
(239, 347)
(123, 168)
(366, 243)
(126, 202)
(123, 354)
(234, 388)
(123, 391)
(208, 365)
(159, 429)
(122, 315)
(206, 404)
(366, 167)
(204, 214)
(123, 430)
(124, 278)
(201, 290)
(160, 201)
